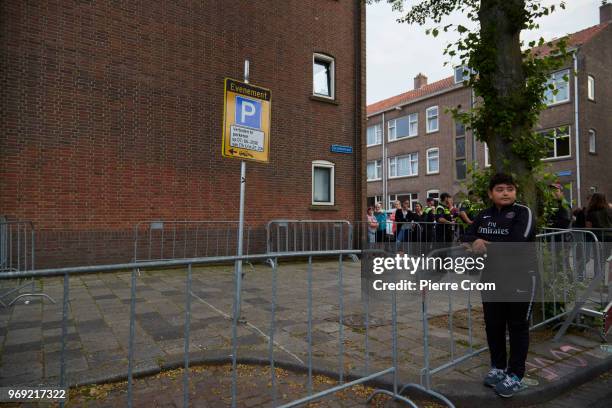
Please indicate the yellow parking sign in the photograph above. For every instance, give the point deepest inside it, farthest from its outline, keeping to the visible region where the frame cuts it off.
(246, 121)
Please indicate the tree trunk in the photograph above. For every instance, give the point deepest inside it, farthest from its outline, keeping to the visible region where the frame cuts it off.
(499, 62)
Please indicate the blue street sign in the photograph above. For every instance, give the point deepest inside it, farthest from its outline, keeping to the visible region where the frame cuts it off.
(341, 149)
(248, 112)
(564, 173)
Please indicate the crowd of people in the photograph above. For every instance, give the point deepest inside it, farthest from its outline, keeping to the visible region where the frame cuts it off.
(444, 221)
(437, 221)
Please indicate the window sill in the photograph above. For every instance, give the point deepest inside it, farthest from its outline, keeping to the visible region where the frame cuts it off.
(554, 159)
(373, 180)
(322, 207)
(432, 174)
(402, 177)
(323, 99)
(401, 138)
(429, 132)
(374, 145)
(552, 105)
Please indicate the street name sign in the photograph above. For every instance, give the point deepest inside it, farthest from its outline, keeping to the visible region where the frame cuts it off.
(246, 121)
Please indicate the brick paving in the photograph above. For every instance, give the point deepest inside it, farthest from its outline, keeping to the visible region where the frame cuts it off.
(98, 326)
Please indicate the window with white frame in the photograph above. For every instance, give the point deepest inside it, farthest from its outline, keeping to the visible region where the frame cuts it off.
(412, 197)
(374, 134)
(322, 182)
(486, 156)
(405, 165)
(433, 160)
(323, 76)
(591, 88)
(557, 88)
(560, 142)
(435, 194)
(373, 200)
(592, 141)
(432, 119)
(406, 126)
(374, 170)
(461, 74)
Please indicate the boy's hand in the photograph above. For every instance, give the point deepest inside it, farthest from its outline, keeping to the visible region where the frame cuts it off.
(480, 246)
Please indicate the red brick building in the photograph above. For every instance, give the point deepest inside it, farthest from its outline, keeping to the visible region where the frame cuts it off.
(112, 114)
(425, 152)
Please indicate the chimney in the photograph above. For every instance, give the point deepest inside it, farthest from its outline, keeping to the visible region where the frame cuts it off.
(420, 81)
(605, 13)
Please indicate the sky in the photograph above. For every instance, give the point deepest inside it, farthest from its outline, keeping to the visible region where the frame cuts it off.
(397, 52)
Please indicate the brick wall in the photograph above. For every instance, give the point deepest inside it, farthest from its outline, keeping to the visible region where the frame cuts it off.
(112, 113)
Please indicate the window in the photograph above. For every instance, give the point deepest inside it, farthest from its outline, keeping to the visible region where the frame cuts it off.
(435, 194)
(460, 157)
(406, 165)
(560, 146)
(591, 88)
(461, 74)
(375, 134)
(486, 155)
(432, 119)
(322, 182)
(323, 76)
(433, 160)
(459, 129)
(373, 200)
(412, 197)
(461, 168)
(592, 142)
(374, 170)
(406, 126)
(557, 88)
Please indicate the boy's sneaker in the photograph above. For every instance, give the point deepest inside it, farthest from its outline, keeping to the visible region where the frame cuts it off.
(494, 376)
(509, 386)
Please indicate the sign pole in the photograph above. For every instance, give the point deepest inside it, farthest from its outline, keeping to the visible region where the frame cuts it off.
(241, 216)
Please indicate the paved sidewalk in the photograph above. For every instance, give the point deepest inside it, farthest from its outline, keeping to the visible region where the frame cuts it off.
(98, 329)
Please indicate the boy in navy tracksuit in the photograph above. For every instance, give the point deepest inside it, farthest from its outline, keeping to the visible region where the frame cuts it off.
(510, 223)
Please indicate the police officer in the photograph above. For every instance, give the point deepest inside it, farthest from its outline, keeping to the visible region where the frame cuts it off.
(468, 209)
(445, 221)
(509, 223)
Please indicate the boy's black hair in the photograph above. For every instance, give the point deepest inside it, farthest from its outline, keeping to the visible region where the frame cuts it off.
(444, 196)
(501, 178)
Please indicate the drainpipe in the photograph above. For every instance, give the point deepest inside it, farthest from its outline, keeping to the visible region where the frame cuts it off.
(384, 162)
(577, 129)
(474, 157)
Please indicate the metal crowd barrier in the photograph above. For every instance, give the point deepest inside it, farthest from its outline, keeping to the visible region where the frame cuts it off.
(17, 254)
(165, 240)
(309, 235)
(136, 267)
(567, 282)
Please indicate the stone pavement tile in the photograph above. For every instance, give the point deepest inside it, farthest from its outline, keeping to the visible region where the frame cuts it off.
(23, 336)
(55, 324)
(20, 325)
(21, 347)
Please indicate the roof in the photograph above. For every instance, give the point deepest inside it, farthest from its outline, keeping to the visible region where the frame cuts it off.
(574, 40)
(406, 97)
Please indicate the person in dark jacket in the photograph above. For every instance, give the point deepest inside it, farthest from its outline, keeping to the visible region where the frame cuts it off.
(403, 217)
(445, 220)
(505, 222)
(560, 217)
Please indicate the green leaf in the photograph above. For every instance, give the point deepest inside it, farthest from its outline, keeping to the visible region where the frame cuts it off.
(434, 32)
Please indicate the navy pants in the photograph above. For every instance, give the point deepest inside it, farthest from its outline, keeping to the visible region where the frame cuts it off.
(513, 316)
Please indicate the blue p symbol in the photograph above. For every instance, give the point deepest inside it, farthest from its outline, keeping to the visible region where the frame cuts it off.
(248, 112)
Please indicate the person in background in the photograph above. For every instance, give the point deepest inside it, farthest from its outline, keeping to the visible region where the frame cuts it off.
(444, 219)
(599, 218)
(560, 217)
(372, 225)
(468, 209)
(403, 217)
(396, 206)
(418, 231)
(381, 218)
(429, 217)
